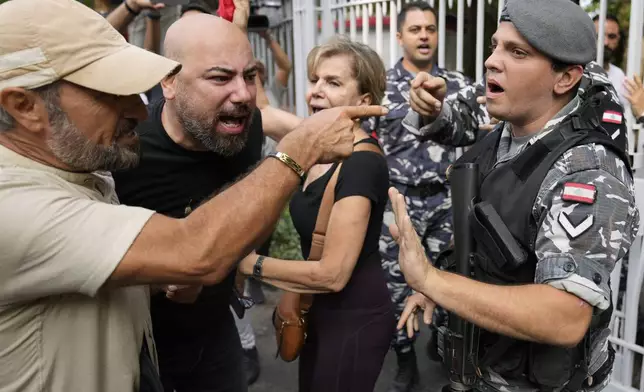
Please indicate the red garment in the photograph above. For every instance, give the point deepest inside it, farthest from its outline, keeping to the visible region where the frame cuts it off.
(226, 9)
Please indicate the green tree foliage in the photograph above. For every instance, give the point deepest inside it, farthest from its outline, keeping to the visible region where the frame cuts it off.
(620, 8)
(286, 241)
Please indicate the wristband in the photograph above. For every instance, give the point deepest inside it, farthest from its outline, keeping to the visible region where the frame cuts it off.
(257, 269)
(130, 10)
(288, 161)
(153, 14)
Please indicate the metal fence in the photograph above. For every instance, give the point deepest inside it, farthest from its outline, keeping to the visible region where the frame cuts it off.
(307, 23)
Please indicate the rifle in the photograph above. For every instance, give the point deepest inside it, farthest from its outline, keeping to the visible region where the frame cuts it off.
(460, 338)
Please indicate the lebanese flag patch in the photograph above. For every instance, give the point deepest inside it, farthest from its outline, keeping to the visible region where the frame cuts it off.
(612, 117)
(580, 193)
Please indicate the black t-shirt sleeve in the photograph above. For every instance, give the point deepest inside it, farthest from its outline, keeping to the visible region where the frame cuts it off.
(365, 174)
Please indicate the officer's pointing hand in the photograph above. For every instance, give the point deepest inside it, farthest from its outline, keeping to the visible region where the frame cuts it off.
(427, 94)
(412, 305)
(412, 259)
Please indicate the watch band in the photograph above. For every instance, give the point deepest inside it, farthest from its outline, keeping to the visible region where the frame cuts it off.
(640, 119)
(257, 269)
(288, 161)
(130, 10)
(153, 14)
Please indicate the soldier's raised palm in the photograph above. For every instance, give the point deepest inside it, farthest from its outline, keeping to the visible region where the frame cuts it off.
(412, 259)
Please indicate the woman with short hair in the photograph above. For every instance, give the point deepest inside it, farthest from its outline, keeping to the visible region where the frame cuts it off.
(352, 319)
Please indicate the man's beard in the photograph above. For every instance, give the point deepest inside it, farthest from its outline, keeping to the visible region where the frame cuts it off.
(609, 55)
(201, 126)
(71, 147)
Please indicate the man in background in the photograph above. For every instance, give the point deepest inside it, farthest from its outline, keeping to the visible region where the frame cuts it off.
(416, 166)
(613, 51)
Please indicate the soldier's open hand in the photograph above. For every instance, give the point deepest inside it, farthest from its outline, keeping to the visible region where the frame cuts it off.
(426, 95)
(413, 304)
(412, 259)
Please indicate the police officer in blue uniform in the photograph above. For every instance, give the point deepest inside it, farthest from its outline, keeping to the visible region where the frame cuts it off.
(416, 166)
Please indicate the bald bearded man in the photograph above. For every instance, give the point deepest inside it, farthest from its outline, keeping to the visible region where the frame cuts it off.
(202, 135)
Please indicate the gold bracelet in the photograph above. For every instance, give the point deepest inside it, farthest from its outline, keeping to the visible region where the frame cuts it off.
(288, 161)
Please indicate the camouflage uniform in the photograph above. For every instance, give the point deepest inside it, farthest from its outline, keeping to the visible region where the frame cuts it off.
(461, 115)
(417, 168)
(577, 244)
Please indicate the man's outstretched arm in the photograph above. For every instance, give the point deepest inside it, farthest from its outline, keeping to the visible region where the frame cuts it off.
(206, 245)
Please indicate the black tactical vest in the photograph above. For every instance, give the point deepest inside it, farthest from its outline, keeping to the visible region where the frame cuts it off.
(511, 188)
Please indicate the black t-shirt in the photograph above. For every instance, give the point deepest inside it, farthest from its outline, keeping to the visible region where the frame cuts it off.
(174, 181)
(364, 174)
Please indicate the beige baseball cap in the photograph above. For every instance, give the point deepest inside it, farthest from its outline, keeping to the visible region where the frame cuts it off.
(42, 41)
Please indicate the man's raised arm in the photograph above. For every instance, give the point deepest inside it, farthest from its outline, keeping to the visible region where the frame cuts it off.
(453, 120)
(206, 245)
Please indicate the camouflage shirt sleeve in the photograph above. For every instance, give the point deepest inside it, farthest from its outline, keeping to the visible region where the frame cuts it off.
(579, 242)
(458, 122)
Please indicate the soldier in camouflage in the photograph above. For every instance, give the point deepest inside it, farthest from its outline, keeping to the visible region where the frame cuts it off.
(464, 112)
(551, 314)
(416, 166)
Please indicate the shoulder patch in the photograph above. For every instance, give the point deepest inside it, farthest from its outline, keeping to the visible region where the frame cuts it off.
(612, 117)
(580, 193)
(572, 230)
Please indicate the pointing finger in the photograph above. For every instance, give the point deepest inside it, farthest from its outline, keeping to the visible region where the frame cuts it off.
(356, 112)
(421, 78)
(434, 84)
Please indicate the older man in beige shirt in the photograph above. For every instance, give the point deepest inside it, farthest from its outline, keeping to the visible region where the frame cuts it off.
(75, 265)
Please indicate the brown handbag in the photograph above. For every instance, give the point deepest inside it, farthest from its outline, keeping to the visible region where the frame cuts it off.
(290, 317)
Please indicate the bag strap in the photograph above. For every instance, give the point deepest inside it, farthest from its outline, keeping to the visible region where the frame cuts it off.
(328, 199)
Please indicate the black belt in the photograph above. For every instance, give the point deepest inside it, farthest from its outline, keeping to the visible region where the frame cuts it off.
(424, 191)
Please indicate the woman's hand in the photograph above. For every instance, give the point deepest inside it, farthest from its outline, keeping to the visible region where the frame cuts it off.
(412, 259)
(635, 95)
(412, 305)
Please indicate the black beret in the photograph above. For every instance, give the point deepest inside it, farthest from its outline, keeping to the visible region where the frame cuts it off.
(559, 29)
